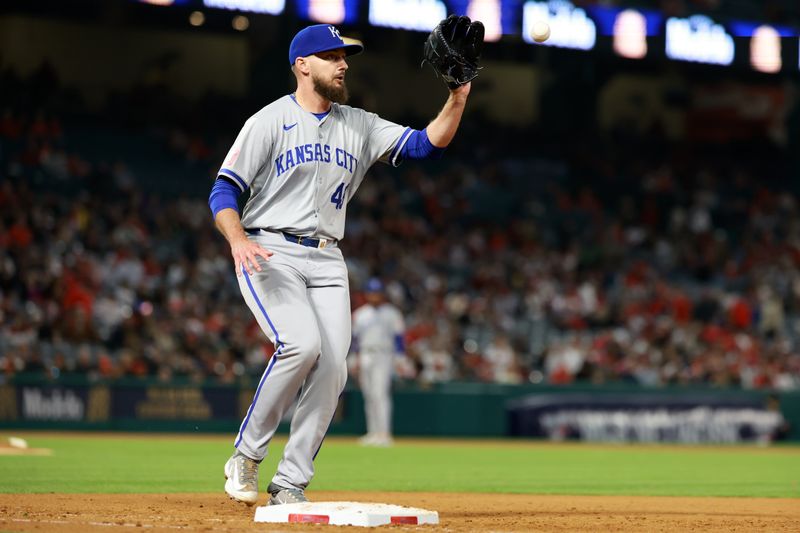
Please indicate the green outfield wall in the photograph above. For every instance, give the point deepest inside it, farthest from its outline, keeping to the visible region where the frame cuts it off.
(451, 409)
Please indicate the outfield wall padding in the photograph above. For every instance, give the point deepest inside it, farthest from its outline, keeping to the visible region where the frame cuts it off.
(451, 409)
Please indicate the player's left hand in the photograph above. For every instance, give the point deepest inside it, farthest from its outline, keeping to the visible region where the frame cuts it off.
(453, 49)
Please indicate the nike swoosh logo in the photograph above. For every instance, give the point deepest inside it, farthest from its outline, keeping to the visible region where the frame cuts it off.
(290, 126)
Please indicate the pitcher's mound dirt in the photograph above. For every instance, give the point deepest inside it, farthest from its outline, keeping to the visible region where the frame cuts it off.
(67, 513)
(6, 449)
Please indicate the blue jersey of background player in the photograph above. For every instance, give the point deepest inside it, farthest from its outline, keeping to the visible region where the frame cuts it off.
(302, 157)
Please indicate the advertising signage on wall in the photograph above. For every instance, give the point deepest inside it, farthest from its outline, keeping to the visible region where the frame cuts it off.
(570, 26)
(637, 417)
(57, 404)
(699, 39)
(634, 32)
(421, 15)
(269, 7)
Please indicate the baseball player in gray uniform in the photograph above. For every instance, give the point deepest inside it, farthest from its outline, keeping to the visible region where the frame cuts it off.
(302, 158)
(378, 328)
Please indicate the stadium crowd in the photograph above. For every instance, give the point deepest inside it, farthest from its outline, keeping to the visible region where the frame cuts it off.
(675, 267)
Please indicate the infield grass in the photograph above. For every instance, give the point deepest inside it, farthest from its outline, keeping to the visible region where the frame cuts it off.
(133, 463)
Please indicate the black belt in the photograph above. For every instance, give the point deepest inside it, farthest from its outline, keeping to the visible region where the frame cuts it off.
(297, 239)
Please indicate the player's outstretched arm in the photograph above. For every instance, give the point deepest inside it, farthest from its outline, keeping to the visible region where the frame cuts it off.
(443, 128)
(244, 251)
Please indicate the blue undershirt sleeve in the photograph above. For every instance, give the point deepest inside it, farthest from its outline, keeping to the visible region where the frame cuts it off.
(224, 194)
(419, 146)
(399, 344)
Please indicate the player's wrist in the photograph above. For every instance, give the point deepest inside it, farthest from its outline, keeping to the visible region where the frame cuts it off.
(238, 240)
(462, 89)
(459, 94)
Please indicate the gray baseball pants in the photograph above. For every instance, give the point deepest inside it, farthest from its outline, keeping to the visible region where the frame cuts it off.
(375, 378)
(301, 300)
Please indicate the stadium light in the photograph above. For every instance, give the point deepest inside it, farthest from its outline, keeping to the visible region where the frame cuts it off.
(240, 23)
(327, 11)
(630, 34)
(197, 18)
(490, 13)
(765, 50)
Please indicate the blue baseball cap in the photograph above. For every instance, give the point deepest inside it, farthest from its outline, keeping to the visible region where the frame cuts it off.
(374, 285)
(321, 38)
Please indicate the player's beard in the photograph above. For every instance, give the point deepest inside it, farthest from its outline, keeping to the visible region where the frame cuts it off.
(329, 90)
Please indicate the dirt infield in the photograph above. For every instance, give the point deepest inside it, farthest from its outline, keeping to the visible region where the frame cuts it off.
(67, 513)
(5, 449)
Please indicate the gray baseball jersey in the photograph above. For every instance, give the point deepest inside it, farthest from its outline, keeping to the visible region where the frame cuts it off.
(375, 327)
(302, 171)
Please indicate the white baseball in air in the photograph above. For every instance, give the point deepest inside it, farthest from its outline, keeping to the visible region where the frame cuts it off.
(540, 31)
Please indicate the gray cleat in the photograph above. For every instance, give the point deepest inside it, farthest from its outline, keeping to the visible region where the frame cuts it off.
(280, 495)
(241, 479)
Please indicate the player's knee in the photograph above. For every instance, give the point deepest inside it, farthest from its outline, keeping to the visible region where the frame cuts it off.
(308, 346)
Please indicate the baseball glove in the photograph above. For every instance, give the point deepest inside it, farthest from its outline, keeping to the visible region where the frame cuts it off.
(453, 49)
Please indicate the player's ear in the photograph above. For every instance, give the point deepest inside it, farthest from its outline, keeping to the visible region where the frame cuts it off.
(301, 65)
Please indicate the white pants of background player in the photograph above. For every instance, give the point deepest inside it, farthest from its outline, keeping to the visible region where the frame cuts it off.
(301, 300)
(375, 379)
